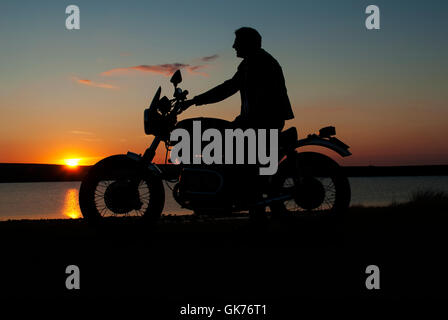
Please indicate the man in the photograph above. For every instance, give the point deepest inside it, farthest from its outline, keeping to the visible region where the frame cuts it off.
(264, 99)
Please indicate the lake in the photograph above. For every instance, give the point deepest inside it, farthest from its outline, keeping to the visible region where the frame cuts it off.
(59, 200)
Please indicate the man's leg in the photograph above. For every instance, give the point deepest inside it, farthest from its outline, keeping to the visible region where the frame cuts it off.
(257, 210)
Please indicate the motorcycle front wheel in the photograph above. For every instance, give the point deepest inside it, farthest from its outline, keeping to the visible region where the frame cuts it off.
(316, 185)
(118, 186)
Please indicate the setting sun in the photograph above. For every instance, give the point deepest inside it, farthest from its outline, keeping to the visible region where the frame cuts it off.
(73, 163)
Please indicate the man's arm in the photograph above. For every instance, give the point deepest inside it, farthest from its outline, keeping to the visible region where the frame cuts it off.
(220, 92)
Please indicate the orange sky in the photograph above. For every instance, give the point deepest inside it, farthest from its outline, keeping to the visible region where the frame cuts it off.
(81, 94)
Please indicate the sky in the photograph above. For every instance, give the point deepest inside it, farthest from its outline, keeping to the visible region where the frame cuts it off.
(81, 93)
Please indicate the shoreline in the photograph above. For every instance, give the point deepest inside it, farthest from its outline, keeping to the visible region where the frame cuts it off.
(18, 172)
(183, 216)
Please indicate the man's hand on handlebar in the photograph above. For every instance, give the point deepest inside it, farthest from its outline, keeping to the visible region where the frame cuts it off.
(187, 103)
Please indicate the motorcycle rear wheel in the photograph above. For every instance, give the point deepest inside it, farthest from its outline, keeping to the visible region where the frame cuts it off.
(317, 186)
(118, 186)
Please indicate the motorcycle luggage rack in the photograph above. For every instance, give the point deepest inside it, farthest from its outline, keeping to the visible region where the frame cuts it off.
(327, 132)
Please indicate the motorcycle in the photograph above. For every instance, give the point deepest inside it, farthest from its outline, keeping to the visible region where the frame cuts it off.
(132, 184)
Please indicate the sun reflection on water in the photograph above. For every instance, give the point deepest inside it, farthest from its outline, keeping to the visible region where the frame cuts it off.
(71, 207)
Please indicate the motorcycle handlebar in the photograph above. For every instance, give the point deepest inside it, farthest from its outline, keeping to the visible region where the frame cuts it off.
(181, 106)
(184, 105)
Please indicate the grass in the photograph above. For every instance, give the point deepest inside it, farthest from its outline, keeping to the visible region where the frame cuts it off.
(425, 201)
(429, 198)
(224, 258)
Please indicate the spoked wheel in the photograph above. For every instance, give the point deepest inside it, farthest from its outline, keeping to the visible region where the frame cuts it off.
(119, 187)
(315, 183)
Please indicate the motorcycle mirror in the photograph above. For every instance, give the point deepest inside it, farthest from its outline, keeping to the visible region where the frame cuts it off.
(176, 78)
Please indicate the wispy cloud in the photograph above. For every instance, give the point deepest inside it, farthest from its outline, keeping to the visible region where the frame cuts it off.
(92, 139)
(85, 133)
(210, 58)
(194, 70)
(91, 83)
(164, 69)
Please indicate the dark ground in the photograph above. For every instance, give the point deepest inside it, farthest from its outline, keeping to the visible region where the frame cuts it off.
(281, 264)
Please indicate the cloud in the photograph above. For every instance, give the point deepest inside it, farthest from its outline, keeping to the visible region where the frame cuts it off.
(210, 58)
(85, 133)
(164, 69)
(194, 70)
(86, 136)
(92, 139)
(90, 83)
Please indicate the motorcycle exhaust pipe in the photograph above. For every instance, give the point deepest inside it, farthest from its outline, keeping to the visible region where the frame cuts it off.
(268, 201)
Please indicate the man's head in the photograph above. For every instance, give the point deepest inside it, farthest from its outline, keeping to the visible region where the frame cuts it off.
(247, 41)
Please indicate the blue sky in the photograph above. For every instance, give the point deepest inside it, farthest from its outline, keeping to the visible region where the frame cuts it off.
(376, 86)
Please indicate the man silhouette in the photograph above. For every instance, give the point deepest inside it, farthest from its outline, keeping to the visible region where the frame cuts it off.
(264, 98)
(259, 78)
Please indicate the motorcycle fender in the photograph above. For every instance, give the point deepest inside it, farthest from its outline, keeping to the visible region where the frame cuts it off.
(333, 144)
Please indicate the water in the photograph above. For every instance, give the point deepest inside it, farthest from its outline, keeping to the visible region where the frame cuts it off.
(59, 200)
(382, 191)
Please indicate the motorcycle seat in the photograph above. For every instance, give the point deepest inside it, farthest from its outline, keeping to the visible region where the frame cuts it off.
(287, 137)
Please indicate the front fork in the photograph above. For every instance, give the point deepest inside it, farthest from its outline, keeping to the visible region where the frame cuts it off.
(146, 160)
(150, 153)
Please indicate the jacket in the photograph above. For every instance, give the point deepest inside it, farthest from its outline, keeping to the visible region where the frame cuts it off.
(264, 98)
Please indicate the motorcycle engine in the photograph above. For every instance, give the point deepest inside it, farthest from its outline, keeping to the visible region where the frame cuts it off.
(200, 181)
(198, 187)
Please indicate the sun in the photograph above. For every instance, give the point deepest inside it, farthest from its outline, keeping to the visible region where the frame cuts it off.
(72, 163)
